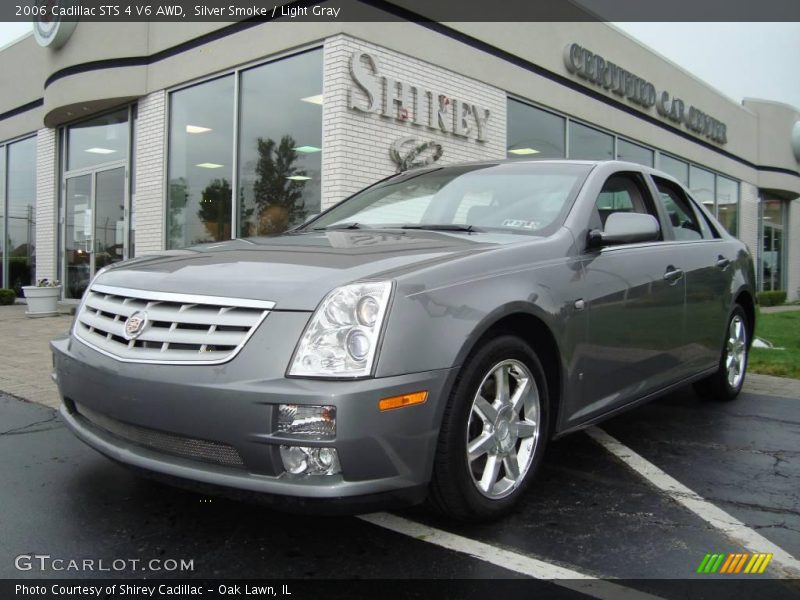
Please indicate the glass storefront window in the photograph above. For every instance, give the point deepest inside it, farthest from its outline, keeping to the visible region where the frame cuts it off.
(21, 213)
(677, 168)
(534, 133)
(634, 153)
(2, 216)
(280, 144)
(773, 219)
(728, 204)
(701, 182)
(200, 163)
(589, 144)
(97, 141)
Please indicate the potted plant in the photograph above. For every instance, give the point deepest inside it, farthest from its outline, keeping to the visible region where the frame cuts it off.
(42, 298)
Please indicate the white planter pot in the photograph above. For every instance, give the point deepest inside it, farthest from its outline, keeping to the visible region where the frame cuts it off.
(42, 301)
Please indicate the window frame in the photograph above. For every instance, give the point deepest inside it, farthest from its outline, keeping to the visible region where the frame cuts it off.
(652, 207)
(706, 232)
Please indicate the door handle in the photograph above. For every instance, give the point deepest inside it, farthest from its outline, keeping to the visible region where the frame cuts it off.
(722, 262)
(672, 275)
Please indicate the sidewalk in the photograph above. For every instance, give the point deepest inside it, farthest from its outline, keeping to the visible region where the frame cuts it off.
(25, 362)
(780, 309)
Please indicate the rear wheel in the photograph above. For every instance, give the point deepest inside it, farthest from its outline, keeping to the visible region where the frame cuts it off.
(726, 383)
(493, 433)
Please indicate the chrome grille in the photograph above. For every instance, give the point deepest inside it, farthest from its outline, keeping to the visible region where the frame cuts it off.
(170, 443)
(179, 328)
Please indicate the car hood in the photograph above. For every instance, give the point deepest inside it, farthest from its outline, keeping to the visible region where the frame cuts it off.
(296, 270)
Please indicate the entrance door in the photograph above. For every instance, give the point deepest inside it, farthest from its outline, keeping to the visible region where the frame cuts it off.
(94, 226)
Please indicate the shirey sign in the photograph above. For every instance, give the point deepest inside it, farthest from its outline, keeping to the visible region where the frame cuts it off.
(596, 69)
(411, 103)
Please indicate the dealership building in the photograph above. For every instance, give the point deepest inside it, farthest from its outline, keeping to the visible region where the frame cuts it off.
(122, 139)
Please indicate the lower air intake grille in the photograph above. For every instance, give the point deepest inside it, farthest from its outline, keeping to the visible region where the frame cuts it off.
(169, 443)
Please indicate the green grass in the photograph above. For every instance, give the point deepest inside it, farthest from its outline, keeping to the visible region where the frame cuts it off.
(782, 330)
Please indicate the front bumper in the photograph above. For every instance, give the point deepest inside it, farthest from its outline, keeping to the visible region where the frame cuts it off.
(381, 453)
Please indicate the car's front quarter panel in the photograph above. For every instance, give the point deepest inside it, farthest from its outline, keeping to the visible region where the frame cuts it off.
(437, 317)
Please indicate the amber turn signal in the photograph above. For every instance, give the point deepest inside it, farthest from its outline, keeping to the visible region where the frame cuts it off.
(402, 401)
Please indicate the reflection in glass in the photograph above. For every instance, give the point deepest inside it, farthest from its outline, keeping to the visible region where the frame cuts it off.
(772, 240)
(677, 168)
(534, 133)
(21, 213)
(78, 235)
(586, 143)
(2, 216)
(701, 182)
(200, 163)
(100, 140)
(728, 204)
(109, 220)
(280, 144)
(634, 153)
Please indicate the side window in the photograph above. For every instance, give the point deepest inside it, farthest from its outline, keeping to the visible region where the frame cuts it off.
(682, 218)
(623, 192)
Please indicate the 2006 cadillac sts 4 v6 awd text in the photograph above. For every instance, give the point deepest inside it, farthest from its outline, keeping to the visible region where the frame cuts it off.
(424, 338)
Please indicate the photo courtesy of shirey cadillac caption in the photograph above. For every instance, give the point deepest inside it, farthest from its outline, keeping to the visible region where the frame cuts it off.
(399, 299)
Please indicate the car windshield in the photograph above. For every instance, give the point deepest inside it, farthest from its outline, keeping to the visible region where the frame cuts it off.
(530, 198)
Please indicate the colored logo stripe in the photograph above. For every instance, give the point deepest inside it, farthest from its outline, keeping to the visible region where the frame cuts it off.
(734, 563)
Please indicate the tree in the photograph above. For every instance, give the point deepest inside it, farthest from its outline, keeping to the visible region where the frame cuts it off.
(215, 209)
(278, 199)
(178, 199)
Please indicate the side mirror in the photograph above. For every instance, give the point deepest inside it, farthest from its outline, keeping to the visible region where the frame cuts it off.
(625, 228)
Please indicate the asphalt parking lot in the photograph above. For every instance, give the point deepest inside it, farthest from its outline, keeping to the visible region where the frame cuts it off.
(591, 513)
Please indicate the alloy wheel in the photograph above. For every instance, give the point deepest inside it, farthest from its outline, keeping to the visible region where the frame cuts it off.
(736, 352)
(503, 429)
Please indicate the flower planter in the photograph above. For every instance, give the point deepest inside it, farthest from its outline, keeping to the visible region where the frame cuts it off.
(42, 301)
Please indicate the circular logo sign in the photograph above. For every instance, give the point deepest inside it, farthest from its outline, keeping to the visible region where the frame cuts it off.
(49, 28)
(411, 153)
(135, 325)
(796, 140)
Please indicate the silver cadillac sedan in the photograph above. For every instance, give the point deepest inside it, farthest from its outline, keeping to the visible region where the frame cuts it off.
(423, 339)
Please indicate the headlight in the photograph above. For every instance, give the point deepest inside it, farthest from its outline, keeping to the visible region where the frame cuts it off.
(341, 339)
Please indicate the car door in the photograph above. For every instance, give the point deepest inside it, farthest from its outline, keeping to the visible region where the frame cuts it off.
(634, 294)
(699, 249)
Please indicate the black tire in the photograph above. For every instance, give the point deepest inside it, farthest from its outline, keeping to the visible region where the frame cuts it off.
(453, 490)
(718, 386)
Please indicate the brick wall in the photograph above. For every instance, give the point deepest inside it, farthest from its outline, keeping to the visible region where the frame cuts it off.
(148, 201)
(356, 144)
(46, 204)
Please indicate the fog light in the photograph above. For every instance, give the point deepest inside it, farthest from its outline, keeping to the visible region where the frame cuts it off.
(301, 460)
(312, 422)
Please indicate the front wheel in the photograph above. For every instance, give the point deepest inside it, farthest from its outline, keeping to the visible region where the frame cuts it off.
(493, 433)
(726, 383)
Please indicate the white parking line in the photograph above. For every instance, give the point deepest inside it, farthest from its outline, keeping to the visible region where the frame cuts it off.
(729, 525)
(512, 561)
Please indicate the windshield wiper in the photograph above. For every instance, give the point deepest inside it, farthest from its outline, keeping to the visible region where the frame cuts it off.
(347, 225)
(444, 227)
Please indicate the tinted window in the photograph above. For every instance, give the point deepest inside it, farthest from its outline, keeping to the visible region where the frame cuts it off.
(589, 144)
(634, 153)
(280, 144)
(682, 219)
(97, 141)
(200, 163)
(728, 204)
(677, 168)
(533, 132)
